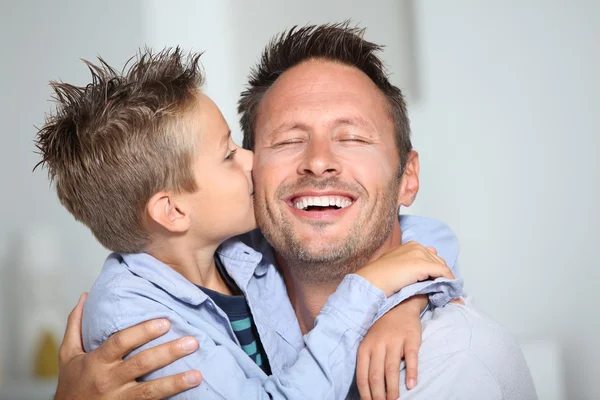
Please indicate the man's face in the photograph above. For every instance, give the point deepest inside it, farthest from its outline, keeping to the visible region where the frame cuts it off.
(326, 166)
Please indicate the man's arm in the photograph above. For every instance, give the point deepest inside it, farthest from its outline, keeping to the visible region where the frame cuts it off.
(102, 374)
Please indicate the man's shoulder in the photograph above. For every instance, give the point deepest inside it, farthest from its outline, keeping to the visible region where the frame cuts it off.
(434, 233)
(468, 341)
(416, 225)
(463, 328)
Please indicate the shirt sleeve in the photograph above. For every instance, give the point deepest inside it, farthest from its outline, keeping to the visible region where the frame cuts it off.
(323, 370)
(438, 235)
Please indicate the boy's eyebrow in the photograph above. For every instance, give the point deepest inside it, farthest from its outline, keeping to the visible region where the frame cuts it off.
(225, 138)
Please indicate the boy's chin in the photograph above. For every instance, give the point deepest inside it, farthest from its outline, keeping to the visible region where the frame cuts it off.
(248, 227)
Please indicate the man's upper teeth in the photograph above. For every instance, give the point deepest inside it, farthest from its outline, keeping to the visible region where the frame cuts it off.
(302, 203)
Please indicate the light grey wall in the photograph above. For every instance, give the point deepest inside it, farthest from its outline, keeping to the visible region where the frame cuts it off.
(41, 41)
(508, 129)
(503, 100)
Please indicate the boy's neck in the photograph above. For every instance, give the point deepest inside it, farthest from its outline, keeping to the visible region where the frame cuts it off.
(195, 263)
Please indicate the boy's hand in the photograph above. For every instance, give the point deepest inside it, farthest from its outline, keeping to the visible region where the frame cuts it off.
(102, 374)
(395, 335)
(407, 264)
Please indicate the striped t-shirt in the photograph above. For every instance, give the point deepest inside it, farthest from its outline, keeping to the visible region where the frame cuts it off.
(238, 312)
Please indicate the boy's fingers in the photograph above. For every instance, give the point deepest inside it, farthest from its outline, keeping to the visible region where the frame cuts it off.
(392, 373)
(447, 273)
(71, 344)
(411, 357)
(377, 373)
(154, 358)
(164, 387)
(362, 373)
(122, 343)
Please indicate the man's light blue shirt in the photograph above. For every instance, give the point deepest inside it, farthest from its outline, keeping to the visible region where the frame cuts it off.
(133, 288)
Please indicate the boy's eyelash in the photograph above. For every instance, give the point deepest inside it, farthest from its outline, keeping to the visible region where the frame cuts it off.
(231, 155)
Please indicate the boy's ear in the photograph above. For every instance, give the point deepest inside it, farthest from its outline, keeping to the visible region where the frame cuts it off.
(164, 210)
(409, 183)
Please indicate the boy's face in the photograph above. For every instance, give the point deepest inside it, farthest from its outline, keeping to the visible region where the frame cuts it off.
(223, 205)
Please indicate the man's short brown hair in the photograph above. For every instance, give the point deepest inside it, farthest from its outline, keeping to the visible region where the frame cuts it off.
(338, 43)
(113, 144)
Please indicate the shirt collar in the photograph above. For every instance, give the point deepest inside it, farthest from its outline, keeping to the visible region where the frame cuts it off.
(245, 256)
(240, 260)
(165, 277)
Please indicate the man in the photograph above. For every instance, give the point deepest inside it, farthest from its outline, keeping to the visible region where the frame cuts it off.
(323, 120)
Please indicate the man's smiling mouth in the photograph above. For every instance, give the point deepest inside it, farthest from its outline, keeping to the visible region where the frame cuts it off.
(321, 203)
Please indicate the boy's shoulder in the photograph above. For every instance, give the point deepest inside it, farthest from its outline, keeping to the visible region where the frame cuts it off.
(129, 290)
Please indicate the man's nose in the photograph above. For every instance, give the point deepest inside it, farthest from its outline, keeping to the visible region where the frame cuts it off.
(319, 159)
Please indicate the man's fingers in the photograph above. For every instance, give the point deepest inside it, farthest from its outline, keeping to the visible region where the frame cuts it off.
(122, 343)
(154, 358)
(411, 357)
(362, 373)
(164, 387)
(377, 373)
(392, 372)
(431, 249)
(72, 345)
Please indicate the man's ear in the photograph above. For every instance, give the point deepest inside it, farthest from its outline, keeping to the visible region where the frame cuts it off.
(409, 183)
(164, 210)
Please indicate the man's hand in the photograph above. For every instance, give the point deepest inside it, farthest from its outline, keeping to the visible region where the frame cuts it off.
(395, 335)
(102, 374)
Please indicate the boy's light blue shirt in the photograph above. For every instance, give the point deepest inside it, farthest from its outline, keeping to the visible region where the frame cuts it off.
(133, 288)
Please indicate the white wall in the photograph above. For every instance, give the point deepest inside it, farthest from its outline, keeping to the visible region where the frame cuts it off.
(508, 129)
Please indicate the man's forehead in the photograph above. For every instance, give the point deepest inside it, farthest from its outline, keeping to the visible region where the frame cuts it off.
(318, 77)
(300, 104)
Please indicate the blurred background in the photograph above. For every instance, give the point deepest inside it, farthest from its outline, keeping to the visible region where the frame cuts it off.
(503, 98)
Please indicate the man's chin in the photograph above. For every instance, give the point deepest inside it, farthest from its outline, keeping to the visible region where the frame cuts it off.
(319, 238)
(321, 249)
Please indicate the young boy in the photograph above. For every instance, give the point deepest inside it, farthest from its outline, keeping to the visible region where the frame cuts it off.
(146, 161)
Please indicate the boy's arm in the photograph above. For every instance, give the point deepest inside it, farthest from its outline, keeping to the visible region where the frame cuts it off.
(430, 233)
(394, 336)
(324, 368)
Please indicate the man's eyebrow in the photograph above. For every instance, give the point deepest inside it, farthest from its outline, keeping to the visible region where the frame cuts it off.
(288, 126)
(354, 121)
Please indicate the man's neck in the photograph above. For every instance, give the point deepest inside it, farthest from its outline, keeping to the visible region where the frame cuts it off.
(308, 299)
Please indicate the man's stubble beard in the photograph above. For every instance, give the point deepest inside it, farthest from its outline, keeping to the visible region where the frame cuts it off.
(335, 260)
